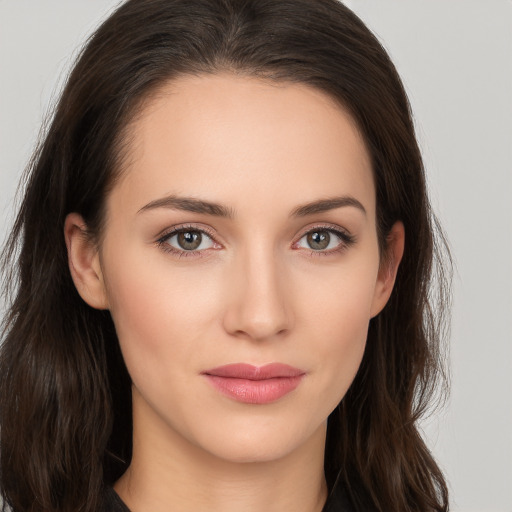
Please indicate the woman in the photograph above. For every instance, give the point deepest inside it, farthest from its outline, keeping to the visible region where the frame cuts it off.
(221, 287)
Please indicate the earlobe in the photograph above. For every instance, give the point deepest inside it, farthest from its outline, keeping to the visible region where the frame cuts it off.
(84, 262)
(395, 243)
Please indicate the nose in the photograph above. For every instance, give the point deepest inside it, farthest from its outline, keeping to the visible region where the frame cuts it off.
(259, 307)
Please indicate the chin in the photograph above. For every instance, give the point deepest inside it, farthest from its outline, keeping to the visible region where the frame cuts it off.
(260, 443)
(253, 451)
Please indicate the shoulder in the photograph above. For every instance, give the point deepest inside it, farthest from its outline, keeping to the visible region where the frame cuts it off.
(111, 502)
(339, 500)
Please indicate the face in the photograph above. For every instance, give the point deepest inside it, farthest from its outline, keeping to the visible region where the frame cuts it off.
(241, 235)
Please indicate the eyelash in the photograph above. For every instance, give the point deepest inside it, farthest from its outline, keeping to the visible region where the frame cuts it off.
(162, 242)
(347, 240)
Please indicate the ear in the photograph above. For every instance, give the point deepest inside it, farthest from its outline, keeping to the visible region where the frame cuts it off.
(84, 262)
(389, 267)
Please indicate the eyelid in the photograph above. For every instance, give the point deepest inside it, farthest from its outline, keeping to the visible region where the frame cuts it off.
(324, 226)
(174, 230)
(166, 233)
(347, 238)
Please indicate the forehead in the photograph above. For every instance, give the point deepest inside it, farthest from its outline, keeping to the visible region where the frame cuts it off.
(244, 142)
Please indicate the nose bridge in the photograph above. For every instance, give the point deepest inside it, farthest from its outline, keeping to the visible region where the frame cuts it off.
(259, 306)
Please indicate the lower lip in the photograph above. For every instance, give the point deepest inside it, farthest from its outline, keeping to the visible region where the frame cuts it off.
(255, 391)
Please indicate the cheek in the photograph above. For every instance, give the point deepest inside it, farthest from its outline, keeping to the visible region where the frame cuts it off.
(161, 315)
(338, 321)
(342, 298)
(168, 317)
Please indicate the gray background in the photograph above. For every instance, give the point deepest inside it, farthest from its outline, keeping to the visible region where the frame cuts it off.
(456, 60)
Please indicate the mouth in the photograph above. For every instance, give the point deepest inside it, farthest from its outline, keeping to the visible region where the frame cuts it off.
(254, 384)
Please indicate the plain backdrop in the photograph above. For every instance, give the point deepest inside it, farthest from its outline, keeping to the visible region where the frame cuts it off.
(455, 58)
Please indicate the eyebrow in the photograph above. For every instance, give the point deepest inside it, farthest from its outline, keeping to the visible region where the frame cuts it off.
(190, 204)
(324, 205)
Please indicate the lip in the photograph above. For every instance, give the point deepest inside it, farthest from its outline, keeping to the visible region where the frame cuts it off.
(254, 384)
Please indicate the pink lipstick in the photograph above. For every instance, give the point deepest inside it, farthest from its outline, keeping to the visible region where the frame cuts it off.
(255, 384)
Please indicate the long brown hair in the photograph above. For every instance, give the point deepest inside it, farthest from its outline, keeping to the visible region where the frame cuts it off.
(65, 399)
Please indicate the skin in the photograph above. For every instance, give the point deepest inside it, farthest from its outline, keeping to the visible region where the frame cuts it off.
(255, 290)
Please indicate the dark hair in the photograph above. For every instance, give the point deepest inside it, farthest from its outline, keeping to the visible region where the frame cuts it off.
(65, 398)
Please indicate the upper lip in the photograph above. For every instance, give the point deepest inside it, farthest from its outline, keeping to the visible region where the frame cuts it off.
(251, 372)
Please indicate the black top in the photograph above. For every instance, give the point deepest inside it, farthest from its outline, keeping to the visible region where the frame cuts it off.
(336, 502)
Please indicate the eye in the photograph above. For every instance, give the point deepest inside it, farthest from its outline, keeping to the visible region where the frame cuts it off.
(324, 239)
(186, 240)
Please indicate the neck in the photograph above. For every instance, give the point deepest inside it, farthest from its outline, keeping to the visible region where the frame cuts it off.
(168, 472)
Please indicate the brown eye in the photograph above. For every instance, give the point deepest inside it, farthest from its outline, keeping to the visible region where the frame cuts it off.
(318, 240)
(325, 240)
(189, 240)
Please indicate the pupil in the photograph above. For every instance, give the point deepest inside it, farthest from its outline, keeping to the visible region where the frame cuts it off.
(319, 240)
(189, 240)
